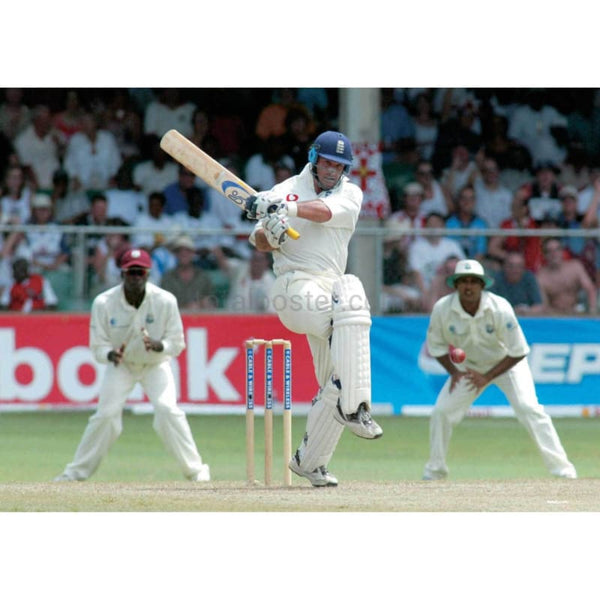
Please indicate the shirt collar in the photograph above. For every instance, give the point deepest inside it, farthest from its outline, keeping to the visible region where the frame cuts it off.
(456, 306)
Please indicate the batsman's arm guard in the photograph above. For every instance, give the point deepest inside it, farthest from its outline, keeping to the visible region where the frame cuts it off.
(350, 344)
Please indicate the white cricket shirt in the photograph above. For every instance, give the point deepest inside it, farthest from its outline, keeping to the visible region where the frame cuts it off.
(487, 337)
(114, 322)
(322, 248)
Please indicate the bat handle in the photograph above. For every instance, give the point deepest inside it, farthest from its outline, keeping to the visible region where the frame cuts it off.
(293, 233)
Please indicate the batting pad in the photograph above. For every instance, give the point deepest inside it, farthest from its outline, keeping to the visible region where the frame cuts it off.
(350, 346)
(322, 431)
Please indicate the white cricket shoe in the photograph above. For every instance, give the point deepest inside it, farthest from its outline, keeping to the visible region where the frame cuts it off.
(568, 473)
(434, 476)
(360, 423)
(65, 477)
(320, 477)
(202, 475)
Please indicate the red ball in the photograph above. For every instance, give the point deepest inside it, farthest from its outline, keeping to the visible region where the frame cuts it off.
(457, 355)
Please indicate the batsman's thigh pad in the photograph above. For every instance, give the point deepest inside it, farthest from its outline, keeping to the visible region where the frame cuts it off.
(303, 303)
(322, 431)
(350, 344)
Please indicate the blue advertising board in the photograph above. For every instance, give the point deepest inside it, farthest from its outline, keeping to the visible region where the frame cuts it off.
(564, 359)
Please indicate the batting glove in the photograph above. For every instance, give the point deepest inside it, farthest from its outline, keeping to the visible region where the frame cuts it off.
(275, 227)
(262, 205)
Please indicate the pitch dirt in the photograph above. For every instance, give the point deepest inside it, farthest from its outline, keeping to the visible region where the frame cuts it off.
(547, 495)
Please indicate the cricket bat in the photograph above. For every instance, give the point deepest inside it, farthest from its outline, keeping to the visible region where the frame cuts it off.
(209, 170)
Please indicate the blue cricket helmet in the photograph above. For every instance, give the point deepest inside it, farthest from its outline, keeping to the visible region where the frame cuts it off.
(333, 146)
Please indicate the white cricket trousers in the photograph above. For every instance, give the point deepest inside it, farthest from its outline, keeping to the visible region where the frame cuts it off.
(105, 425)
(304, 305)
(518, 387)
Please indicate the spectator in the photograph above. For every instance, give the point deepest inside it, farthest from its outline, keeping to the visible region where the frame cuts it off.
(188, 282)
(542, 194)
(465, 217)
(439, 285)
(196, 219)
(228, 134)
(585, 249)
(575, 170)
(461, 130)
(519, 286)
(14, 113)
(493, 200)
(155, 173)
(282, 171)
(168, 111)
(587, 196)
(447, 102)
(125, 123)
(156, 222)
(69, 206)
(249, 282)
(397, 127)
(428, 252)
(435, 198)
(410, 216)
(124, 201)
(96, 216)
(69, 121)
(529, 246)
(518, 170)
(271, 119)
(46, 249)
(260, 168)
(496, 143)
(200, 128)
(92, 157)
(564, 283)
(426, 126)
(300, 130)
(462, 171)
(203, 135)
(400, 291)
(16, 197)
(540, 128)
(106, 265)
(38, 148)
(179, 192)
(27, 292)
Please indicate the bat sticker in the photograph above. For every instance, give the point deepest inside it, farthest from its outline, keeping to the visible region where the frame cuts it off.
(235, 192)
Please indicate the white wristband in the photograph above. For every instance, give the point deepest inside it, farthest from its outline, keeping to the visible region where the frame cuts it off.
(292, 208)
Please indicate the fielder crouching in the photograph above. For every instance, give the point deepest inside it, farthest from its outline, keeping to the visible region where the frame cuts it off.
(136, 330)
(484, 325)
(313, 296)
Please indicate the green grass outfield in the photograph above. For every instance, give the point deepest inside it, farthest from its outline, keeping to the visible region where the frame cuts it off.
(35, 447)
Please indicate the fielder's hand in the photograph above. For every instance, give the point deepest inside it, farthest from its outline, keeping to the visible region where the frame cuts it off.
(115, 356)
(262, 205)
(275, 227)
(150, 344)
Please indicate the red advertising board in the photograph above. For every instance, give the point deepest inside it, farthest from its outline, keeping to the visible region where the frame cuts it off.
(45, 361)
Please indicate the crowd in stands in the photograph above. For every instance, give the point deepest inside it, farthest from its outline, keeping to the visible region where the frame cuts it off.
(481, 159)
(509, 159)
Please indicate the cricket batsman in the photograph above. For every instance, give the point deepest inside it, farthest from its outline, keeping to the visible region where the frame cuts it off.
(313, 296)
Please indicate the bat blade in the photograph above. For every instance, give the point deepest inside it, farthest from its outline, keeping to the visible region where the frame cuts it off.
(209, 170)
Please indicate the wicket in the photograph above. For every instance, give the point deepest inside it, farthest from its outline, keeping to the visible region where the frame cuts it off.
(268, 418)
